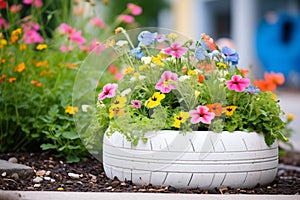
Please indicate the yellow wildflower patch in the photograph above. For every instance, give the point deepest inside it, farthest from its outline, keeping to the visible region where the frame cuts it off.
(41, 47)
(129, 70)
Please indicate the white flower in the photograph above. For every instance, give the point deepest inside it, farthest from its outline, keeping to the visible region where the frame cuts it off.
(125, 92)
(183, 78)
(146, 60)
(137, 76)
(84, 107)
(121, 43)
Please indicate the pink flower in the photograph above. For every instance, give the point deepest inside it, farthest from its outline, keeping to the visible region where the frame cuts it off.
(3, 23)
(201, 114)
(66, 29)
(109, 91)
(77, 37)
(66, 48)
(35, 3)
(97, 22)
(136, 103)
(15, 8)
(134, 9)
(31, 34)
(94, 45)
(126, 18)
(166, 82)
(175, 50)
(238, 83)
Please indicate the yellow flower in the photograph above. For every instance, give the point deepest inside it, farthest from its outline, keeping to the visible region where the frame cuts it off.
(41, 47)
(44, 64)
(109, 43)
(221, 65)
(274, 96)
(143, 67)
(197, 93)
(230, 110)
(119, 102)
(20, 67)
(116, 111)
(71, 110)
(15, 35)
(157, 60)
(3, 42)
(172, 36)
(155, 100)
(23, 47)
(129, 70)
(290, 117)
(181, 118)
(192, 72)
(2, 60)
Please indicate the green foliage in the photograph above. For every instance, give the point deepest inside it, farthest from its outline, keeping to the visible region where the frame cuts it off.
(36, 85)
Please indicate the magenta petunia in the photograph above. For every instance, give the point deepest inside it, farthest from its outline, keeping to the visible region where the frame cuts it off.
(238, 83)
(175, 50)
(201, 114)
(109, 91)
(136, 103)
(166, 82)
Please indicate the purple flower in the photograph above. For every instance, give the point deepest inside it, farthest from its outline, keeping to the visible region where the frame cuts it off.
(175, 50)
(109, 91)
(238, 83)
(230, 55)
(147, 38)
(166, 82)
(136, 103)
(252, 89)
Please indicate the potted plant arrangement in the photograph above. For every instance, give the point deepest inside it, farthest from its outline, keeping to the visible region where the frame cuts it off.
(184, 114)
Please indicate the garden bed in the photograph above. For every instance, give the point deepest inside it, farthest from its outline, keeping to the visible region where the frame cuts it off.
(88, 176)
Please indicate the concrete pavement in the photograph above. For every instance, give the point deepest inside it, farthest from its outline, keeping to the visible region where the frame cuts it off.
(23, 195)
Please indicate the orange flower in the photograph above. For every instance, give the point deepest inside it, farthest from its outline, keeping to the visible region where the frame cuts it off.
(276, 78)
(38, 84)
(264, 85)
(20, 67)
(12, 79)
(2, 77)
(201, 78)
(244, 71)
(22, 47)
(215, 108)
(208, 41)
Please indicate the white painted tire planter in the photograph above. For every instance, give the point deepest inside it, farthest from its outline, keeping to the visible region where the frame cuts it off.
(197, 159)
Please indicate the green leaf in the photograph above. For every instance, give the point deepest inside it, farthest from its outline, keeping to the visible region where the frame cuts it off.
(48, 146)
(72, 135)
(72, 159)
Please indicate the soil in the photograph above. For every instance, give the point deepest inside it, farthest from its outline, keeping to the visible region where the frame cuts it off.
(88, 176)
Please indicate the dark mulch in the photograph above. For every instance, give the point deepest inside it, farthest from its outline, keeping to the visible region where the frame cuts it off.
(92, 178)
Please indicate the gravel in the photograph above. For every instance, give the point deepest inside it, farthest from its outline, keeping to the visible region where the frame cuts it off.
(54, 174)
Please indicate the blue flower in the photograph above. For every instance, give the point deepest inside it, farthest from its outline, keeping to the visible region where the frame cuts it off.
(147, 38)
(230, 55)
(137, 52)
(252, 89)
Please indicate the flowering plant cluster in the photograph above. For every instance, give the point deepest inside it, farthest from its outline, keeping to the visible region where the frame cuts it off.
(38, 65)
(186, 86)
